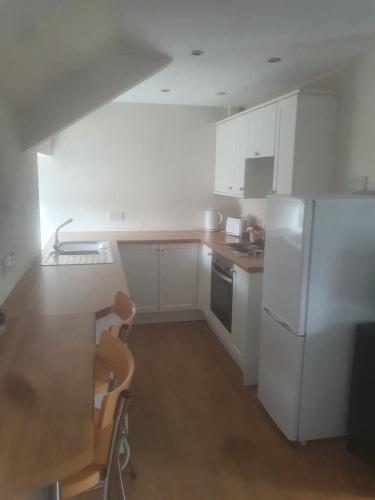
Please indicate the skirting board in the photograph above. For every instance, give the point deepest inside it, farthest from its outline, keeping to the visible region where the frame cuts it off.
(169, 317)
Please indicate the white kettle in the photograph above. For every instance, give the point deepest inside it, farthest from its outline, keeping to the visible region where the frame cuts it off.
(212, 219)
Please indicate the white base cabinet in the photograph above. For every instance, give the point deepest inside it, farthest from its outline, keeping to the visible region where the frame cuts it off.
(141, 265)
(161, 277)
(204, 290)
(178, 276)
(243, 342)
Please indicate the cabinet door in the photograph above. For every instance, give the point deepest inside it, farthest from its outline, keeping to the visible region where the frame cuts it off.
(178, 276)
(285, 145)
(141, 266)
(262, 126)
(225, 157)
(204, 291)
(240, 307)
(242, 134)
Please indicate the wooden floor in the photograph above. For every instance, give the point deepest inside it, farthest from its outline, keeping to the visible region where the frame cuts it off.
(197, 434)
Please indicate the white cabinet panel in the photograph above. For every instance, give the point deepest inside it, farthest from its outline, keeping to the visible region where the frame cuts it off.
(204, 292)
(178, 276)
(285, 145)
(141, 266)
(225, 157)
(262, 126)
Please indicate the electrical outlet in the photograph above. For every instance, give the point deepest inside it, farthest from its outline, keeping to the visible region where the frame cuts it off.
(116, 215)
(358, 183)
(371, 184)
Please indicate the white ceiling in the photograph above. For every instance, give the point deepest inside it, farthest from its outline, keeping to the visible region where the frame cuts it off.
(238, 36)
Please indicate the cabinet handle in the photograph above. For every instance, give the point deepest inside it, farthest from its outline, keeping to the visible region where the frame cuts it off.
(257, 153)
(162, 250)
(241, 188)
(209, 254)
(230, 188)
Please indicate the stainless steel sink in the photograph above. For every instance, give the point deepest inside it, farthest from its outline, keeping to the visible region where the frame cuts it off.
(81, 247)
(70, 253)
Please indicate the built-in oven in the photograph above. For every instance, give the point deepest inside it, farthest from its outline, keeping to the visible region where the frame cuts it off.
(222, 290)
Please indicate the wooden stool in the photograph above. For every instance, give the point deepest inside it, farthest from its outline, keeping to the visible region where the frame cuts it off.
(110, 423)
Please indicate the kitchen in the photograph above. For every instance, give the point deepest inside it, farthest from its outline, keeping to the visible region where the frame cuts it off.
(140, 173)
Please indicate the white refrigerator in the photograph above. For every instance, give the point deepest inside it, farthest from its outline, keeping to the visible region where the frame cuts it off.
(319, 281)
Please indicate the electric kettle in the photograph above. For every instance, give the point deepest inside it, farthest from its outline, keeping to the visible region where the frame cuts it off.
(212, 219)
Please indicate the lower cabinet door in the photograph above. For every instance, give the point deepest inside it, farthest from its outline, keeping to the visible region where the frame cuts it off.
(204, 292)
(178, 276)
(141, 266)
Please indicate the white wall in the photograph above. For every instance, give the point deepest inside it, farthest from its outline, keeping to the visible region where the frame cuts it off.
(154, 161)
(355, 84)
(19, 209)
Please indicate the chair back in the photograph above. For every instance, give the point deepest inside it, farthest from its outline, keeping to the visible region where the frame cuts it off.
(120, 361)
(125, 308)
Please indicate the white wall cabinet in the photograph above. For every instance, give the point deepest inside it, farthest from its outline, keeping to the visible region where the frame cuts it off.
(204, 290)
(305, 144)
(261, 132)
(141, 264)
(178, 276)
(231, 149)
(225, 167)
(161, 277)
(286, 146)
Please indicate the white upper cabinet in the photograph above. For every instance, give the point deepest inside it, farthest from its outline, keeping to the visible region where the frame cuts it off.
(262, 126)
(305, 144)
(178, 276)
(225, 174)
(231, 150)
(285, 147)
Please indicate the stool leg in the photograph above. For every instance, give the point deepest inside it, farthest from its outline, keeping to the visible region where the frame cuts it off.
(54, 491)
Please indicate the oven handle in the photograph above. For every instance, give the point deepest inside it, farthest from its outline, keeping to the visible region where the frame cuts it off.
(222, 276)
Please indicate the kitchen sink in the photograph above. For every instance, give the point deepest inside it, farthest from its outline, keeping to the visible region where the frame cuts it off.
(81, 247)
(70, 253)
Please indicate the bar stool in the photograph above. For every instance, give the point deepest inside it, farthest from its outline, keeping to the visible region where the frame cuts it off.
(110, 426)
(122, 313)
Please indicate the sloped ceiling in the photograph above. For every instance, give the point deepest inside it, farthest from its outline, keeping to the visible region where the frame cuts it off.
(60, 59)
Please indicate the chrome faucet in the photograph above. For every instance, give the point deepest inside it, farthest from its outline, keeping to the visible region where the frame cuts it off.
(56, 246)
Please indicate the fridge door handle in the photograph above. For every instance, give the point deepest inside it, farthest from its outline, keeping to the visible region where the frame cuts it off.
(282, 323)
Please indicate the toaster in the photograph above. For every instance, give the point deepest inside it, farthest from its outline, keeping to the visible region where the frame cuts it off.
(235, 226)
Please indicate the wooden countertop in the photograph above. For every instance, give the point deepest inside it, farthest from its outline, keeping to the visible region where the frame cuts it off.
(90, 288)
(46, 399)
(46, 358)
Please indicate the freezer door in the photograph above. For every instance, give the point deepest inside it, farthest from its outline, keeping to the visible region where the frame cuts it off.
(280, 374)
(286, 260)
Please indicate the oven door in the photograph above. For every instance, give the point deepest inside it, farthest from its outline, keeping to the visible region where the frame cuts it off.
(221, 296)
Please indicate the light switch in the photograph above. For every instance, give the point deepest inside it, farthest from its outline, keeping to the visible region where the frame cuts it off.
(116, 215)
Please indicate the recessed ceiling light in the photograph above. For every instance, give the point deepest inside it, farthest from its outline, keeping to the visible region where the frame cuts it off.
(221, 93)
(165, 90)
(197, 52)
(274, 59)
